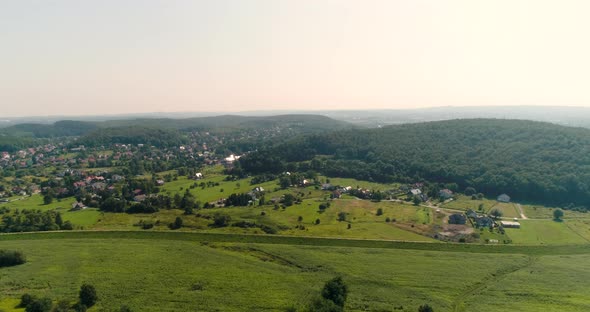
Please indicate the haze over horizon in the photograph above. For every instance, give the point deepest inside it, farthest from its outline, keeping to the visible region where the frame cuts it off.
(121, 57)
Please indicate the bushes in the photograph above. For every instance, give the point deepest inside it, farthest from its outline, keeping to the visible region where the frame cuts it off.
(88, 295)
(11, 258)
(39, 305)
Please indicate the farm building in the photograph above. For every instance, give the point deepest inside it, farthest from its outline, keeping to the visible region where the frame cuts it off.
(504, 198)
(510, 224)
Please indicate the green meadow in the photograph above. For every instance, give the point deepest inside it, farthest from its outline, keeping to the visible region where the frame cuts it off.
(462, 202)
(198, 272)
(544, 232)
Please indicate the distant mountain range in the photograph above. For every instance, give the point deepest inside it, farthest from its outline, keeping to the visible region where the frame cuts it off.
(571, 116)
(298, 124)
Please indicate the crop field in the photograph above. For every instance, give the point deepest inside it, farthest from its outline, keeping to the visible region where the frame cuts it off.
(206, 275)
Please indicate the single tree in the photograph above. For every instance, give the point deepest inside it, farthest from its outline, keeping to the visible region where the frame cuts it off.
(88, 295)
(416, 200)
(317, 221)
(58, 220)
(342, 216)
(496, 213)
(47, 199)
(379, 211)
(336, 291)
(124, 308)
(25, 300)
(425, 308)
(469, 191)
(178, 223)
(557, 214)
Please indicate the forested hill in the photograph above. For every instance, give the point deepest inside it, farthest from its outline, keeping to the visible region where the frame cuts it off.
(293, 124)
(528, 160)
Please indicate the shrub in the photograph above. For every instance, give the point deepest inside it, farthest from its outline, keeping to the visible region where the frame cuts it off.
(39, 305)
(336, 291)
(25, 300)
(88, 295)
(11, 258)
(425, 308)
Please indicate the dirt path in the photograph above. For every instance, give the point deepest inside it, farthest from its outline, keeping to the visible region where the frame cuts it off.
(521, 212)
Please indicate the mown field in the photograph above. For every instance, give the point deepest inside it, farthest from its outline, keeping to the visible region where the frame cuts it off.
(201, 273)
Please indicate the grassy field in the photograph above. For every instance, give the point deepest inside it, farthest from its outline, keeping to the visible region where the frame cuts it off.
(547, 232)
(462, 202)
(508, 210)
(215, 276)
(36, 202)
(541, 212)
(344, 182)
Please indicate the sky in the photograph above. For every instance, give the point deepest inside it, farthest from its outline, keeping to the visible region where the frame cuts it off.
(121, 56)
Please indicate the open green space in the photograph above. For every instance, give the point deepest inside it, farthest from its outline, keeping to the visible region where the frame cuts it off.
(462, 202)
(508, 210)
(202, 273)
(542, 212)
(36, 202)
(547, 232)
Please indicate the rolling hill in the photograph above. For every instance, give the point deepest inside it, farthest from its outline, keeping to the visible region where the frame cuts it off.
(529, 160)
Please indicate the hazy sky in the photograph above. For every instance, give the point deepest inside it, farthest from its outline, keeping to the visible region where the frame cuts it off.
(106, 57)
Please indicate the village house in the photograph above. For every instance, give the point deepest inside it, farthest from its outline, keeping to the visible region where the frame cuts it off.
(415, 192)
(504, 198)
(445, 194)
(78, 206)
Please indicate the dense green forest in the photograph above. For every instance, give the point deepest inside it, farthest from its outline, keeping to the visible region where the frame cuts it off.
(59, 129)
(132, 135)
(529, 160)
(12, 143)
(293, 124)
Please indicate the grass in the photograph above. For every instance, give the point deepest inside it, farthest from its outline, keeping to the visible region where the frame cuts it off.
(508, 210)
(545, 232)
(462, 202)
(542, 212)
(551, 283)
(271, 277)
(36, 202)
(202, 237)
(210, 194)
(354, 183)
